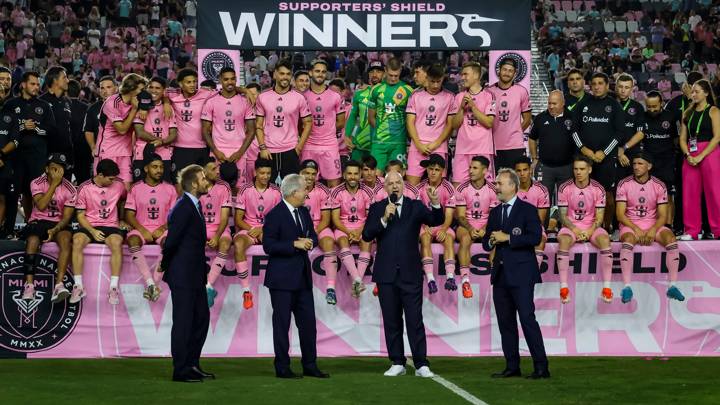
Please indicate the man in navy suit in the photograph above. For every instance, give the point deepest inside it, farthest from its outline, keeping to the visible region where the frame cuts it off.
(288, 236)
(395, 223)
(513, 231)
(185, 269)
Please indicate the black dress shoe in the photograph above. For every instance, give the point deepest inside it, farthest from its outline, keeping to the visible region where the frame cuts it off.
(315, 373)
(507, 374)
(203, 374)
(187, 379)
(287, 374)
(536, 375)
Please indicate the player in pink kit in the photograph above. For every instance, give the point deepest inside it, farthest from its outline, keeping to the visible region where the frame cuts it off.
(253, 202)
(535, 193)
(252, 90)
(429, 122)
(473, 201)
(409, 190)
(474, 122)
(328, 116)
(345, 144)
(278, 111)
(116, 123)
(350, 202)
(146, 210)
(513, 115)
(434, 167)
(582, 206)
(369, 173)
(99, 206)
(318, 202)
(642, 208)
(157, 130)
(52, 212)
(228, 122)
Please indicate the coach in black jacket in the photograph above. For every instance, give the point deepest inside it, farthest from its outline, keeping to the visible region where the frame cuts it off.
(185, 270)
(398, 270)
(288, 236)
(514, 230)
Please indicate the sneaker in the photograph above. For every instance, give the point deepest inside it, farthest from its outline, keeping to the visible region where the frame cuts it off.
(29, 291)
(675, 294)
(60, 294)
(78, 293)
(247, 300)
(395, 370)
(564, 295)
(432, 287)
(424, 372)
(450, 284)
(686, 237)
(330, 296)
(375, 290)
(114, 296)
(708, 236)
(615, 237)
(626, 295)
(147, 294)
(211, 294)
(156, 291)
(467, 289)
(607, 295)
(357, 288)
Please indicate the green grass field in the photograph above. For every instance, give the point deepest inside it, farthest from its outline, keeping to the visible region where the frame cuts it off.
(576, 380)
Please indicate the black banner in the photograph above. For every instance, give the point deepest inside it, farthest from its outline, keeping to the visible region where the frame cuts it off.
(364, 25)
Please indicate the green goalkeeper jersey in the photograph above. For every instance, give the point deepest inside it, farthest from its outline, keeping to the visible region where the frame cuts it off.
(389, 103)
(358, 128)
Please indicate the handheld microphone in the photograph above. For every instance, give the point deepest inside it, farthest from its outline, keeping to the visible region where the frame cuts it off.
(393, 199)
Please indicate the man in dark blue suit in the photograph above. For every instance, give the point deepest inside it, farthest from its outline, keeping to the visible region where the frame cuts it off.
(185, 269)
(513, 231)
(395, 224)
(288, 236)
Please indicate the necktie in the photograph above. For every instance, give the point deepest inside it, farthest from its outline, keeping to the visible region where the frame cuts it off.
(505, 213)
(398, 209)
(199, 207)
(298, 223)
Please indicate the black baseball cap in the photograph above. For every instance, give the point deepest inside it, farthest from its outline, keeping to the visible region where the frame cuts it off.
(644, 156)
(60, 159)
(433, 159)
(145, 101)
(376, 64)
(308, 163)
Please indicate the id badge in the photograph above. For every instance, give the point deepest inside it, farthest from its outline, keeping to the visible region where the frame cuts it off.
(692, 145)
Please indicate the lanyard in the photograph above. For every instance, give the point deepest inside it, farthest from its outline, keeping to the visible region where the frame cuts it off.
(570, 108)
(697, 127)
(627, 103)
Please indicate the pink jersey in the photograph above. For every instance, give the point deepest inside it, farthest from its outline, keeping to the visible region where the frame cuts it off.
(228, 116)
(507, 127)
(445, 191)
(256, 204)
(318, 199)
(642, 199)
(324, 107)
(431, 112)
(472, 137)
(158, 126)
(353, 206)
(151, 204)
(111, 143)
(282, 113)
(581, 202)
(218, 197)
(342, 146)
(100, 203)
(188, 113)
(477, 202)
(63, 195)
(536, 195)
(409, 191)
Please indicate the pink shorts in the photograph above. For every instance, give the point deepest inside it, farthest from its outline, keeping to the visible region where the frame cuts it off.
(461, 167)
(340, 234)
(435, 230)
(245, 233)
(593, 238)
(137, 233)
(210, 233)
(624, 229)
(123, 162)
(326, 233)
(414, 159)
(328, 161)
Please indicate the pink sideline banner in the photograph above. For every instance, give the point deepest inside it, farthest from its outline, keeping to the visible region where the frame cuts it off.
(650, 325)
(211, 61)
(524, 63)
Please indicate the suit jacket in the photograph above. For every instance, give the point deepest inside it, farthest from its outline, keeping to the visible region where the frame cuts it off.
(184, 249)
(515, 258)
(397, 244)
(288, 268)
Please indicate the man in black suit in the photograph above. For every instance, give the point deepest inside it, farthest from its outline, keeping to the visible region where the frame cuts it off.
(395, 223)
(288, 236)
(513, 231)
(185, 269)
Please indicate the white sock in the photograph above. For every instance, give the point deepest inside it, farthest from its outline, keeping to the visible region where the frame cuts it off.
(563, 285)
(449, 275)
(466, 279)
(246, 289)
(114, 280)
(430, 277)
(627, 285)
(208, 285)
(78, 280)
(149, 282)
(606, 284)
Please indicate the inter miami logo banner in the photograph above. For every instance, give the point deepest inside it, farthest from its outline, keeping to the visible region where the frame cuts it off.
(522, 61)
(364, 25)
(212, 61)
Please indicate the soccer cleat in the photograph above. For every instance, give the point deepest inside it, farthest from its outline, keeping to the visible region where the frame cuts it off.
(357, 288)
(114, 296)
(29, 291)
(211, 294)
(564, 295)
(685, 237)
(467, 289)
(607, 295)
(247, 300)
(60, 293)
(155, 293)
(330, 296)
(450, 284)
(375, 290)
(675, 294)
(78, 293)
(626, 295)
(432, 287)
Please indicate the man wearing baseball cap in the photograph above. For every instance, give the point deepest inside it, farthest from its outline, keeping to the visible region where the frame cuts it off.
(358, 131)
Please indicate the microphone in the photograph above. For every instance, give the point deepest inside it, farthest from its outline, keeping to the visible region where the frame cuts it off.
(393, 199)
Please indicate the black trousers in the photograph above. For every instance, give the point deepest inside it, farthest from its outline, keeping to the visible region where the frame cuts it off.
(191, 319)
(284, 163)
(507, 158)
(300, 304)
(395, 299)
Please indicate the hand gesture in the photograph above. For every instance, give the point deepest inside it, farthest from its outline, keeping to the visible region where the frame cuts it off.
(147, 236)
(157, 234)
(51, 234)
(468, 101)
(265, 154)
(433, 195)
(98, 235)
(390, 211)
(441, 235)
(303, 244)
(213, 242)
(219, 155)
(142, 114)
(56, 175)
(255, 232)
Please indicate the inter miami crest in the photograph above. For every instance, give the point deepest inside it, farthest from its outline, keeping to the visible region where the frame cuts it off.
(213, 63)
(522, 66)
(34, 325)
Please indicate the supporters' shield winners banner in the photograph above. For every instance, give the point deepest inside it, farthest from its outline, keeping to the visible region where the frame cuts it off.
(650, 325)
(364, 25)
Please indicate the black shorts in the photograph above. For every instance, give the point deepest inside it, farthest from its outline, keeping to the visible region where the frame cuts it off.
(7, 186)
(184, 157)
(605, 173)
(138, 171)
(107, 230)
(284, 163)
(39, 228)
(665, 171)
(507, 158)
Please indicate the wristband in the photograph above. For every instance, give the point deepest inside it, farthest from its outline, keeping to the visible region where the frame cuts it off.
(263, 147)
